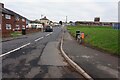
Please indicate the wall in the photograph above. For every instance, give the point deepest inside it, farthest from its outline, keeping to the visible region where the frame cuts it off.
(6, 33)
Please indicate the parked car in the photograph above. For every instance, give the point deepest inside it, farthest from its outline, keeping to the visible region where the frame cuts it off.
(49, 29)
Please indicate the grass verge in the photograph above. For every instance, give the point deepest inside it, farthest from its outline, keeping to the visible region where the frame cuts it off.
(16, 34)
(105, 38)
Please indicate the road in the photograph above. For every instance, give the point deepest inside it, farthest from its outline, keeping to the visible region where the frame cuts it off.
(36, 56)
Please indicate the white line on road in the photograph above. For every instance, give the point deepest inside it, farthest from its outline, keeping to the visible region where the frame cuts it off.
(47, 34)
(14, 50)
(51, 32)
(39, 39)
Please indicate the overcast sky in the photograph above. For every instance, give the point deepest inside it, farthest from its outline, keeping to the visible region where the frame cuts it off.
(56, 10)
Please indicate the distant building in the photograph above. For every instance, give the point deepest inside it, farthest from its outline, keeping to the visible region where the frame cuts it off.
(96, 22)
(91, 23)
(116, 26)
(45, 21)
(97, 19)
(56, 24)
(35, 26)
(27, 22)
(11, 21)
(72, 23)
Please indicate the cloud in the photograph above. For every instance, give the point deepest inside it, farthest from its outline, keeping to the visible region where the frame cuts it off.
(57, 10)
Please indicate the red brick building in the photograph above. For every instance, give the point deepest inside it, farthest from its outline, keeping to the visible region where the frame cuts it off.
(11, 21)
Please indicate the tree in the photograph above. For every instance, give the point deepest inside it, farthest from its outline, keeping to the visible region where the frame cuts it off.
(50, 22)
(60, 22)
(70, 22)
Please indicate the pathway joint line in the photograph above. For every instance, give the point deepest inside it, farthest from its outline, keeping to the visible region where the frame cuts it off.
(15, 50)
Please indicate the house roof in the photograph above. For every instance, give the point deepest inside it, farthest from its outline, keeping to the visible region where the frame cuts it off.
(44, 18)
(10, 12)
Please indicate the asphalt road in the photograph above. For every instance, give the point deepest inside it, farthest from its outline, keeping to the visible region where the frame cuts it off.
(35, 56)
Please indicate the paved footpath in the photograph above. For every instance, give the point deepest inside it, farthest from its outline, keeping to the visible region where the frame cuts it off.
(97, 64)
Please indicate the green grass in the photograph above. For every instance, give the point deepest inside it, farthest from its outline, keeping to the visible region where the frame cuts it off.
(104, 38)
(16, 34)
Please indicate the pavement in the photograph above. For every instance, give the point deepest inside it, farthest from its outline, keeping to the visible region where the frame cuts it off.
(97, 64)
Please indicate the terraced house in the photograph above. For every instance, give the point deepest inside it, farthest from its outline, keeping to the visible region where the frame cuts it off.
(11, 21)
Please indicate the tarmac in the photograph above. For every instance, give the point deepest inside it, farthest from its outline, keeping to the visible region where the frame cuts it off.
(97, 64)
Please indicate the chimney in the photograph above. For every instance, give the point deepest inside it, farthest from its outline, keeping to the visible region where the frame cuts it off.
(2, 5)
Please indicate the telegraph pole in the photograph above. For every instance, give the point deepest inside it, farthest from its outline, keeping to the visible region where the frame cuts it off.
(66, 19)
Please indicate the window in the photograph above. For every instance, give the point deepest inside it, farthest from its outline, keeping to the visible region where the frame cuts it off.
(17, 27)
(8, 26)
(17, 18)
(8, 16)
(23, 19)
(23, 26)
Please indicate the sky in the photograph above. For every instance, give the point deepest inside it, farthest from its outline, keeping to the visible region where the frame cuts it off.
(57, 10)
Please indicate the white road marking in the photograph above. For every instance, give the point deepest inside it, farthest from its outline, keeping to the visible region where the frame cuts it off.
(23, 46)
(15, 49)
(39, 39)
(51, 32)
(47, 34)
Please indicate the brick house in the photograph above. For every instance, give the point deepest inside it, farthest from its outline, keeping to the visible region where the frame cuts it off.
(11, 21)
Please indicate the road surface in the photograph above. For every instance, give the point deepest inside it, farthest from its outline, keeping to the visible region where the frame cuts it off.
(36, 56)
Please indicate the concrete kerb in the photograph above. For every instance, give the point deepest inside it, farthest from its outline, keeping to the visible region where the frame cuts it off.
(73, 64)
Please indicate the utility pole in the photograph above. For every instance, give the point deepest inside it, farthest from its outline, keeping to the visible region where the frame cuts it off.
(66, 19)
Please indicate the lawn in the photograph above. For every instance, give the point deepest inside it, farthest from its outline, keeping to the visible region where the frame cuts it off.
(104, 38)
(16, 34)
